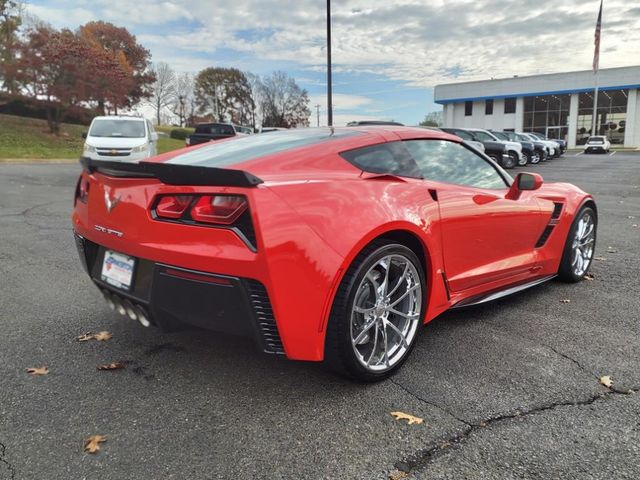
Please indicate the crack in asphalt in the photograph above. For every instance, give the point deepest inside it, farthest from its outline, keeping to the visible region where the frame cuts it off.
(423, 457)
(12, 471)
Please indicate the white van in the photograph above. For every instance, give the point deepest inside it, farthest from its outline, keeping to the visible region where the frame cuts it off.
(120, 138)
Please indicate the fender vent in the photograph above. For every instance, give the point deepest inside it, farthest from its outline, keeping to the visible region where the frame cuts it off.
(264, 315)
(557, 210)
(545, 236)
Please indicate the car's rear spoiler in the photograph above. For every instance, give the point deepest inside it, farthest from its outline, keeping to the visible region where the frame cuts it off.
(172, 173)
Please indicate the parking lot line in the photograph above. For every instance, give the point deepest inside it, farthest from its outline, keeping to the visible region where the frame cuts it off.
(579, 153)
(612, 153)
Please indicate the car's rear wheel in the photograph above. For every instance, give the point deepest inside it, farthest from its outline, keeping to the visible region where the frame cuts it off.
(526, 159)
(377, 312)
(535, 158)
(579, 246)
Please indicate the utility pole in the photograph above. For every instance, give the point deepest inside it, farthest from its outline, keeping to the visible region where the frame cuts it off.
(329, 102)
(318, 113)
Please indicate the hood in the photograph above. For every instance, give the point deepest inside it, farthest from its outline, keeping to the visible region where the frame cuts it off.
(513, 145)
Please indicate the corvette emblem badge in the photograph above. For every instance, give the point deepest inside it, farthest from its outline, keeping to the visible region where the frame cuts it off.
(110, 202)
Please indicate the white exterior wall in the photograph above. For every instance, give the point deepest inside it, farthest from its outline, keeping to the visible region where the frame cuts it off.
(632, 130)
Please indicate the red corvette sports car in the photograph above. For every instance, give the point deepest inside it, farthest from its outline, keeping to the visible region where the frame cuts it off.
(324, 244)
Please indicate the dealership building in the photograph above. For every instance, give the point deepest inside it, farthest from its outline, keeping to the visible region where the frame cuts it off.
(558, 105)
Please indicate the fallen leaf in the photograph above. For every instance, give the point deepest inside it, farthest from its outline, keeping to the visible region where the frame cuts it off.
(565, 300)
(600, 259)
(92, 444)
(397, 475)
(111, 366)
(445, 445)
(606, 381)
(38, 371)
(589, 276)
(405, 416)
(100, 336)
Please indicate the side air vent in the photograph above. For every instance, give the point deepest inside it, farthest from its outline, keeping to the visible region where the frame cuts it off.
(557, 210)
(264, 315)
(545, 236)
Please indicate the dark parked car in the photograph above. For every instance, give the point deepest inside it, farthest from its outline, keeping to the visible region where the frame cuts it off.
(528, 149)
(208, 132)
(495, 150)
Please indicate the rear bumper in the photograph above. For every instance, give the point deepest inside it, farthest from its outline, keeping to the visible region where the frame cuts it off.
(593, 148)
(174, 297)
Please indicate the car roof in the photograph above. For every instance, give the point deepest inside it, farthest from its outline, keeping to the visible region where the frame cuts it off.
(119, 117)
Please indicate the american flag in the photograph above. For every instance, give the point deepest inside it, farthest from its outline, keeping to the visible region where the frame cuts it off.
(596, 41)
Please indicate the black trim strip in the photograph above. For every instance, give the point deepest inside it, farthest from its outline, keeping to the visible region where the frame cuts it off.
(173, 174)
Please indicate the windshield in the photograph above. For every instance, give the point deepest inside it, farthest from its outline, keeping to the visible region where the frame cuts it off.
(215, 129)
(501, 135)
(117, 128)
(254, 146)
(484, 136)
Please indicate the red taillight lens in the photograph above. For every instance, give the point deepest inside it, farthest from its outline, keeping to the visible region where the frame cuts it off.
(173, 206)
(82, 193)
(220, 209)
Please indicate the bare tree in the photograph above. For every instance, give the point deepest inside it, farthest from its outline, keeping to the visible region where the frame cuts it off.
(283, 103)
(163, 88)
(183, 97)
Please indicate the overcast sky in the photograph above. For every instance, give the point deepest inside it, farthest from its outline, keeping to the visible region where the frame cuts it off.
(387, 55)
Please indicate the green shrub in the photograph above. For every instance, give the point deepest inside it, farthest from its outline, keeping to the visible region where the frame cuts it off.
(181, 133)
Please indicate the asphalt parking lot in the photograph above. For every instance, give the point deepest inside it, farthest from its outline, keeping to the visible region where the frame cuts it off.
(506, 390)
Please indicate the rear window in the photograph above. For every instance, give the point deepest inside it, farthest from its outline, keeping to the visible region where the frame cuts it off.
(117, 128)
(242, 149)
(216, 129)
(596, 140)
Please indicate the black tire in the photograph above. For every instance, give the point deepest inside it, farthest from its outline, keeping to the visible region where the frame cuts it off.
(566, 272)
(339, 351)
(511, 161)
(495, 158)
(527, 157)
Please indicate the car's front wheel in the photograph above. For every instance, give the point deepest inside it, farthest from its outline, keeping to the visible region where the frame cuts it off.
(579, 246)
(377, 312)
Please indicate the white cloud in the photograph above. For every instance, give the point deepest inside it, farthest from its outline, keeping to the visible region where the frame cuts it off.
(418, 42)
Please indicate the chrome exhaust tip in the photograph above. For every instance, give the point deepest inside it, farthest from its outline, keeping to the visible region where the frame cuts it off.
(142, 317)
(130, 310)
(109, 299)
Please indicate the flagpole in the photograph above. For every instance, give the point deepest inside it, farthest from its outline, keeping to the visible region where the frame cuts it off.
(596, 69)
(595, 107)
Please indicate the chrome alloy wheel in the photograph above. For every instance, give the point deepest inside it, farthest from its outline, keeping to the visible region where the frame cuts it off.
(386, 313)
(582, 246)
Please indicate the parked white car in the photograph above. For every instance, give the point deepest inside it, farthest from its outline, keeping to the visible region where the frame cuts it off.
(552, 147)
(120, 138)
(599, 144)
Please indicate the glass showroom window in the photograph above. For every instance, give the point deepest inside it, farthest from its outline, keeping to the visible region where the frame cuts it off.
(547, 115)
(611, 119)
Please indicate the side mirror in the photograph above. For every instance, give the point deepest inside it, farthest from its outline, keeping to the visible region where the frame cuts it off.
(154, 136)
(523, 182)
(84, 134)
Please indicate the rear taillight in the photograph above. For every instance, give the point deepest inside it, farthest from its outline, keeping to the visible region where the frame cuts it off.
(82, 189)
(173, 206)
(219, 209)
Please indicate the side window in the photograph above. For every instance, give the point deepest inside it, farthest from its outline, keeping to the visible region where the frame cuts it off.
(390, 158)
(450, 162)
